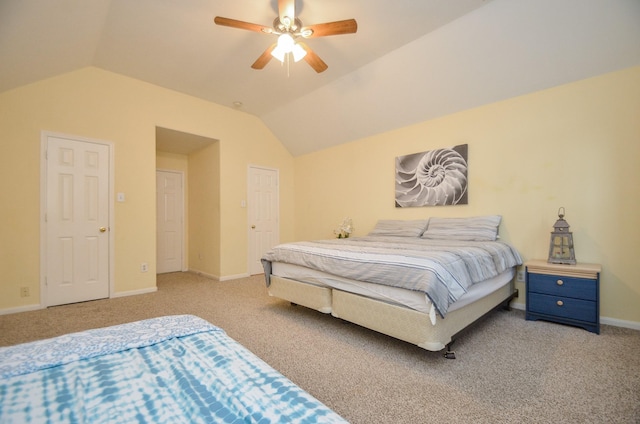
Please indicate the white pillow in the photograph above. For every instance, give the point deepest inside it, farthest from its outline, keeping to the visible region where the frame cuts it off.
(399, 228)
(478, 228)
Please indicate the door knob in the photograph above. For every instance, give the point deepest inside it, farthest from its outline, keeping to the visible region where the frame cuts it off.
(253, 227)
(103, 229)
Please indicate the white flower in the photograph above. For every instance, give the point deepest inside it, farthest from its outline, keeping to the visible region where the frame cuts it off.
(345, 229)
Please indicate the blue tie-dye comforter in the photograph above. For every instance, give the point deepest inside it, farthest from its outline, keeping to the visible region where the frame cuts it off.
(177, 369)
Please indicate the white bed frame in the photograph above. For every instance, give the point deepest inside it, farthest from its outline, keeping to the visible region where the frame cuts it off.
(393, 320)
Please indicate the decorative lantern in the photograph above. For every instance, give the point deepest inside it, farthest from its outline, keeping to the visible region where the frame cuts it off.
(561, 246)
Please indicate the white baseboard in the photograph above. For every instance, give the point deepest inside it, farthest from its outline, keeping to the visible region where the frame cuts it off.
(620, 323)
(519, 306)
(603, 320)
(204, 274)
(234, 277)
(219, 278)
(134, 292)
(35, 307)
(515, 305)
(26, 308)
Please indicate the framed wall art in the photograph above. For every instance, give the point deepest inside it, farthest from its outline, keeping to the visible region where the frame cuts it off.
(432, 178)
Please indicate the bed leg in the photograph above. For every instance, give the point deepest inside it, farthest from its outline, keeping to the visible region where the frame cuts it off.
(450, 354)
(507, 303)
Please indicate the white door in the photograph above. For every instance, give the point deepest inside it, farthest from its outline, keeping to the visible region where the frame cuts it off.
(170, 222)
(263, 210)
(77, 221)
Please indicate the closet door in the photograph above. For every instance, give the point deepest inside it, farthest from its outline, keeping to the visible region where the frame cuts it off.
(76, 221)
(170, 221)
(263, 215)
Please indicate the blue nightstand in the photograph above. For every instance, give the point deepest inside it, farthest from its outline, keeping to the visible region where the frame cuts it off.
(566, 294)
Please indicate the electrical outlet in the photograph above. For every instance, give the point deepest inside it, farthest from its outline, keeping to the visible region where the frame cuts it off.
(520, 276)
(144, 267)
(24, 292)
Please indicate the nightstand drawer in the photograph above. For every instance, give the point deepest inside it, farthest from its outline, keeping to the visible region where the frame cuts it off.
(557, 306)
(558, 285)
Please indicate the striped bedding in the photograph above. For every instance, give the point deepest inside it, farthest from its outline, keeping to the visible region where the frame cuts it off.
(442, 269)
(177, 369)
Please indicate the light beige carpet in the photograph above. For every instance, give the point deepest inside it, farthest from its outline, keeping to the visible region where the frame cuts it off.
(507, 370)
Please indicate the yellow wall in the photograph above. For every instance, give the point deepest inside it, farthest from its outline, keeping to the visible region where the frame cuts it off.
(204, 211)
(576, 146)
(172, 162)
(101, 105)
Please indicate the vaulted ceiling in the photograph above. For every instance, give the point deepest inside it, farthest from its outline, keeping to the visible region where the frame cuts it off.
(410, 60)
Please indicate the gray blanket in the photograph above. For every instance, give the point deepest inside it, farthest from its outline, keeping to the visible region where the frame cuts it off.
(443, 270)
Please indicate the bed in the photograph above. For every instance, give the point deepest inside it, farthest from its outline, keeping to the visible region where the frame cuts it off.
(421, 281)
(174, 369)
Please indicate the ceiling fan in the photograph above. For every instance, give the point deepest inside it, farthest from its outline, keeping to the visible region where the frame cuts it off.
(289, 29)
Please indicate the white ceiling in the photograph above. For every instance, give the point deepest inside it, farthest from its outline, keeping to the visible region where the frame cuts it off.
(411, 60)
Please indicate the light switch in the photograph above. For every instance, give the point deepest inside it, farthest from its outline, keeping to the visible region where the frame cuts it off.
(120, 197)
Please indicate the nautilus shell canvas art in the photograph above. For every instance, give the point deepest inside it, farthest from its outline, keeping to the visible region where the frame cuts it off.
(432, 178)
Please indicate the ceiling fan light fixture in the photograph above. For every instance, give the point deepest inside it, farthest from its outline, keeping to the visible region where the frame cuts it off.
(286, 44)
(278, 53)
(298, 52)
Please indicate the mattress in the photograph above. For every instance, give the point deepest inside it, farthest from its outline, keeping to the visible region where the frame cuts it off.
(412, 299)
(443, 269)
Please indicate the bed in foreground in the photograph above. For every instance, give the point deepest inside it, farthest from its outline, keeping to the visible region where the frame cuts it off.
(420, 281)
(175, 369)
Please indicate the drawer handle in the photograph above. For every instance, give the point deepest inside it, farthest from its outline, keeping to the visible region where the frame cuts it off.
(559, 303)
(559, 282)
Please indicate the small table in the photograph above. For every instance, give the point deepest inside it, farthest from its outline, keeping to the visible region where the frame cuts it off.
(566, 294)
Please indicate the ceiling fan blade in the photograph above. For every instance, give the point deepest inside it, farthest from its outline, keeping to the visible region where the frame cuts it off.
(313, 59)
(348, 26)
(264, 58)
(233, 23)
(287, 8)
